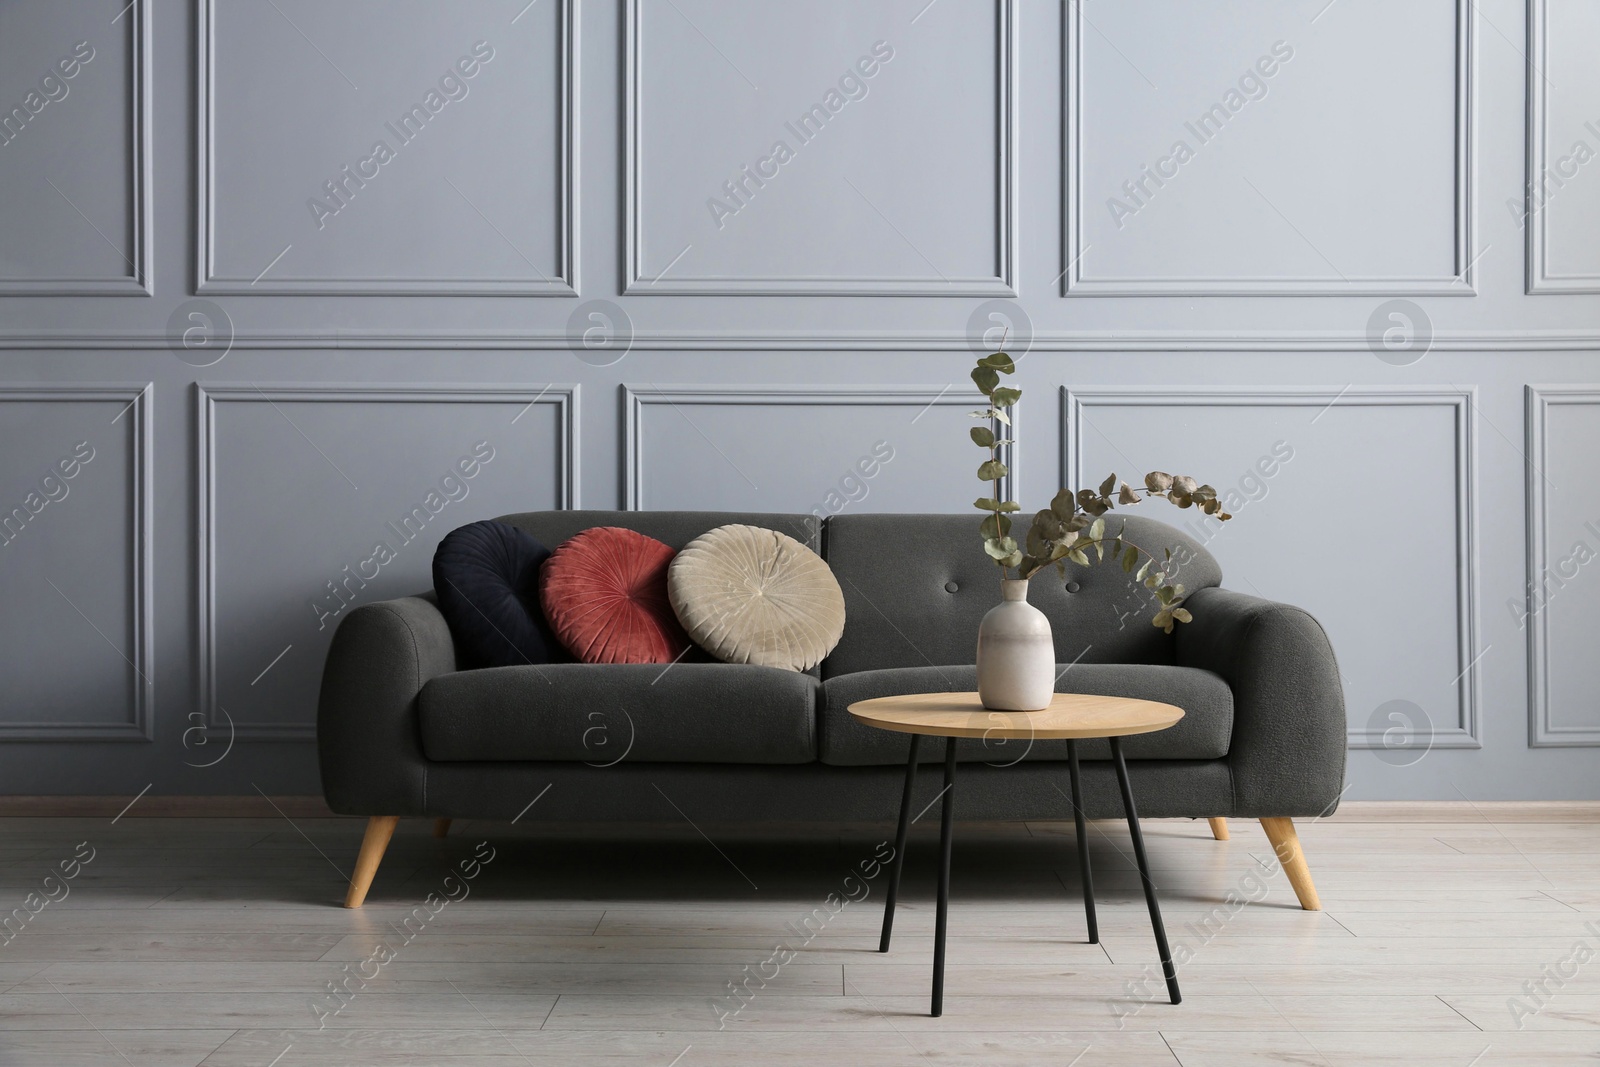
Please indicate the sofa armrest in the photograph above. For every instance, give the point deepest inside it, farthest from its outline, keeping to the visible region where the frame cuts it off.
(1288, 747)
(369, 743)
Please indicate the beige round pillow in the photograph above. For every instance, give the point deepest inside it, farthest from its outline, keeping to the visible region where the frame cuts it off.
(750, 595)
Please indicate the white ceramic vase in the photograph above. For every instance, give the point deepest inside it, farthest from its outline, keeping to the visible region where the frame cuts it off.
(1016, 653)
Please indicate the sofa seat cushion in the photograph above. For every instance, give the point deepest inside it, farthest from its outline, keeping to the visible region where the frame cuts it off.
(602, 713)
(1202, 733)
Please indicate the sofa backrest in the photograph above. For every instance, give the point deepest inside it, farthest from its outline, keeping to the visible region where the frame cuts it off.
(916, 587)
(674, 528)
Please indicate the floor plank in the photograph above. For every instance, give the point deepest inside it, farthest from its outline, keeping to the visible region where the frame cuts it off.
(221, 942)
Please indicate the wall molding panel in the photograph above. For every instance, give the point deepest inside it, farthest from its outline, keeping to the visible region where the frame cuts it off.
(135, 403)
(1007, 185)
(1543, 732)
(1075, 283)
(211, 396)
(636, 397)
(1540, 280)
(140, 257)
(1509, 345)
(564, 283)
(1465, 731)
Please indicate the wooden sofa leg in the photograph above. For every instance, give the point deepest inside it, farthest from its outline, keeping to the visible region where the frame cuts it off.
(1219, 829)
(1286, 843)
(441, 828)
(379, 829)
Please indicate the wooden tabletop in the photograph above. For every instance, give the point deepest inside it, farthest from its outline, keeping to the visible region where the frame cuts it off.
(963, 715)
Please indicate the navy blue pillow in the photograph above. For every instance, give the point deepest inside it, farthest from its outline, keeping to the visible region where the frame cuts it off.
(486, 577)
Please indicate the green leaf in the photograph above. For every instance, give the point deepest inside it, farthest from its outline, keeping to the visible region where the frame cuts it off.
(1182, 615)
(1013, 560)
(1062, 505)
(999, 361)
(1037, 543)
(990, 469)
(1130, 557)
(986, 378)
(982, 436)
(1009, 505)
(996, 413)
(995, 526)
(986, 503)
(1049, 527)
(1143, 570)
(1003, 397)
(1077, 556)
(1109, 484)
(1000, 548)
(1098, 530)
(1158, 481)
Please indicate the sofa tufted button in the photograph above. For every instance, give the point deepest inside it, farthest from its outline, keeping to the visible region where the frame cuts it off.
(1073, 587)
(950, 587)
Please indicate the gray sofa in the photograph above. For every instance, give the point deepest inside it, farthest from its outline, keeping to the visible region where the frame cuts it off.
(401, 732)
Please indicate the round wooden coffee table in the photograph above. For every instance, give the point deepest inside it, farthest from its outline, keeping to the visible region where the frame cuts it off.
(1070, 717)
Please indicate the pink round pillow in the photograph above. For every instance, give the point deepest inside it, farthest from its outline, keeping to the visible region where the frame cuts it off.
(605, 595)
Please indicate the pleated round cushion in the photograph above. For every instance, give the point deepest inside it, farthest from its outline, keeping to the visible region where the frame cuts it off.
(750, 595)
(486, 575)
(605, 594)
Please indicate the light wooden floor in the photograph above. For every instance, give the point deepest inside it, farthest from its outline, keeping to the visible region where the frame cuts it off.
(190, 942)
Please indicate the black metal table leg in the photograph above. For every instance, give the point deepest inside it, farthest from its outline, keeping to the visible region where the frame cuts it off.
(1144, 871)
(1083, 842)
(946, 833)
(899, 845)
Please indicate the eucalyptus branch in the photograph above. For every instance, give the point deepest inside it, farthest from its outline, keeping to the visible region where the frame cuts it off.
(996, 529)
(1054, 534)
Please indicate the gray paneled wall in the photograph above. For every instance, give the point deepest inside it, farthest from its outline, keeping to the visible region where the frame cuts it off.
(289, 290)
